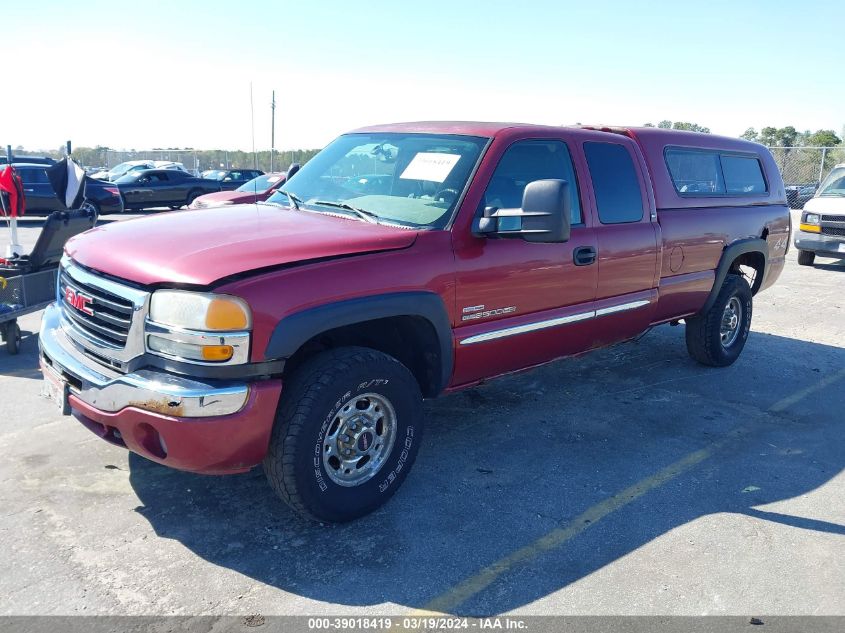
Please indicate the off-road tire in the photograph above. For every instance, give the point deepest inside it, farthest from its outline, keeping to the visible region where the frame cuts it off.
(806, 258)
(703, 332)
(312, 400)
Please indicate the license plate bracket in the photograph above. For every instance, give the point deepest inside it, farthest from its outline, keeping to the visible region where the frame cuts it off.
(55, 389)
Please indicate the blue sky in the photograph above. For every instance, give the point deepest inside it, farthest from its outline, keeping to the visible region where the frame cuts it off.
(177, 73)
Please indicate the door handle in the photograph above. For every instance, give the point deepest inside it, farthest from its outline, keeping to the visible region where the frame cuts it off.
(584, 256)
(28, 190)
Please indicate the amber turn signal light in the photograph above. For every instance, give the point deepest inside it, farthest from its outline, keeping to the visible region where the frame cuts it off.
(217, 352)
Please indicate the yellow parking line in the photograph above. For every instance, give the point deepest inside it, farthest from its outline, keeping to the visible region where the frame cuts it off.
(780, 405)
(463, 591)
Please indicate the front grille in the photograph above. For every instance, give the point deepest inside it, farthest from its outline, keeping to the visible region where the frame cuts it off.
(833, 218)
(112, 315)
(834, 230)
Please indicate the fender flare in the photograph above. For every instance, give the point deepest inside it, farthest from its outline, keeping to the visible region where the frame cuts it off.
(741, 247)
(294, 330)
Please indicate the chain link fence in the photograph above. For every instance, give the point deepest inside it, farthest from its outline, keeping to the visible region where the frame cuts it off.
(804, 168)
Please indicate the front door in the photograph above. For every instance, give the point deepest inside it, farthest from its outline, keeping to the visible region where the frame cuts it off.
(521, 303)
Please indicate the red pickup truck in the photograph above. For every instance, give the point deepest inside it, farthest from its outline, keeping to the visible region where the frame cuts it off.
(304, 332)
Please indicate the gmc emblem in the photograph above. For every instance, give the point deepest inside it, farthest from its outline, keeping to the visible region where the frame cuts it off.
(78, 301)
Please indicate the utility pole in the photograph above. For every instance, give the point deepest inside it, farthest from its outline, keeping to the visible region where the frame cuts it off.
(272, 130)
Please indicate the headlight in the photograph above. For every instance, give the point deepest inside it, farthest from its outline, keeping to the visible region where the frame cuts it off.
(200, 311)
(199, 327)
(810, 223)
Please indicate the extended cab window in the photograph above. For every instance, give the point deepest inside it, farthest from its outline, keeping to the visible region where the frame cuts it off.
(615, 183)
(526, 161)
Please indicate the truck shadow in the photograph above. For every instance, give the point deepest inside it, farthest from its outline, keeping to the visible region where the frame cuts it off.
(505, 464)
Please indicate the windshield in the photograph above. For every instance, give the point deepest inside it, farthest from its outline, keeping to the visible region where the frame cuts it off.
(262, 183)
(408, 179)
(834, 184)
(119, 170)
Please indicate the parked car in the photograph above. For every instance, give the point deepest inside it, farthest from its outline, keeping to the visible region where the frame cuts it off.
(162, 188)
(797, 195)
(256, 190)
(40, 197)
(30, 160)
(822, 227)
(304, 332)
(136, 165)
(231, 179)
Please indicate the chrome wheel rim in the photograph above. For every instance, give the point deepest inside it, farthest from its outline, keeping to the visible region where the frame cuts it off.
(359, 439)
(731, 320)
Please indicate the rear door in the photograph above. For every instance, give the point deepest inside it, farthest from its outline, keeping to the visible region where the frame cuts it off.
(627, 240)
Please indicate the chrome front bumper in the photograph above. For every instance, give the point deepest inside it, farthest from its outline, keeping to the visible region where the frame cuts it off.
(149, 389)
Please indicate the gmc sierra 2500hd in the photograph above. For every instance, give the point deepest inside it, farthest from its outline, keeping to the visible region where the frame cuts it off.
(303, 333)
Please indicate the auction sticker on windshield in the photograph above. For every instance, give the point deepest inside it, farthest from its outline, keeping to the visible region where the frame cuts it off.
(431, 166)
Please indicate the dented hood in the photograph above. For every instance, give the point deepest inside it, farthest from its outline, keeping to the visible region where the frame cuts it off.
(203, 246)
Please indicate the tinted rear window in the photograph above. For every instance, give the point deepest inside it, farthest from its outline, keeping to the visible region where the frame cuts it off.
(33, 176)
(710, 172)
(695, 172)
(743, 175)
(615, 183)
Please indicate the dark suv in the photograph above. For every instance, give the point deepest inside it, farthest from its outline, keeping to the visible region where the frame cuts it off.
(40, 197)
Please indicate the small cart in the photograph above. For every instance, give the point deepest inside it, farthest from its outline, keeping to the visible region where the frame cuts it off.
(29, 283)
(20, 295)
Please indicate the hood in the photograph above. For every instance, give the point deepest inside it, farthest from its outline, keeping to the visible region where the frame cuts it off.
(826, 204)
(199, 247)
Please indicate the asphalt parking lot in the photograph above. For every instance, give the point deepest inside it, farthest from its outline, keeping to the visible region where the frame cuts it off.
(630, 481)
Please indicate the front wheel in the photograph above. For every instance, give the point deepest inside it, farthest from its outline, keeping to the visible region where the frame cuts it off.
(717, 337)
(191, 197)
(347, 431)
(806, 258)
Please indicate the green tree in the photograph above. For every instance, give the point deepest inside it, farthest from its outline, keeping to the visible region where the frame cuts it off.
(750, 134)
(679, 125)
(822, 138)
(691, 127)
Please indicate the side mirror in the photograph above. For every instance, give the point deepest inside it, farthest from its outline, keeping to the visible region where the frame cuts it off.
(544, 216)
(294, 167)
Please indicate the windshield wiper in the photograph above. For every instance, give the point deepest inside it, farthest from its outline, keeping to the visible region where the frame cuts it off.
(367, 216)
(293, 198)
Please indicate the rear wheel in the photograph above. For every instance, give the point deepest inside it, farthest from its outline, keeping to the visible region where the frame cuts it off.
(806, 258)
(13, 338)
(346, 434)
(717, 337)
